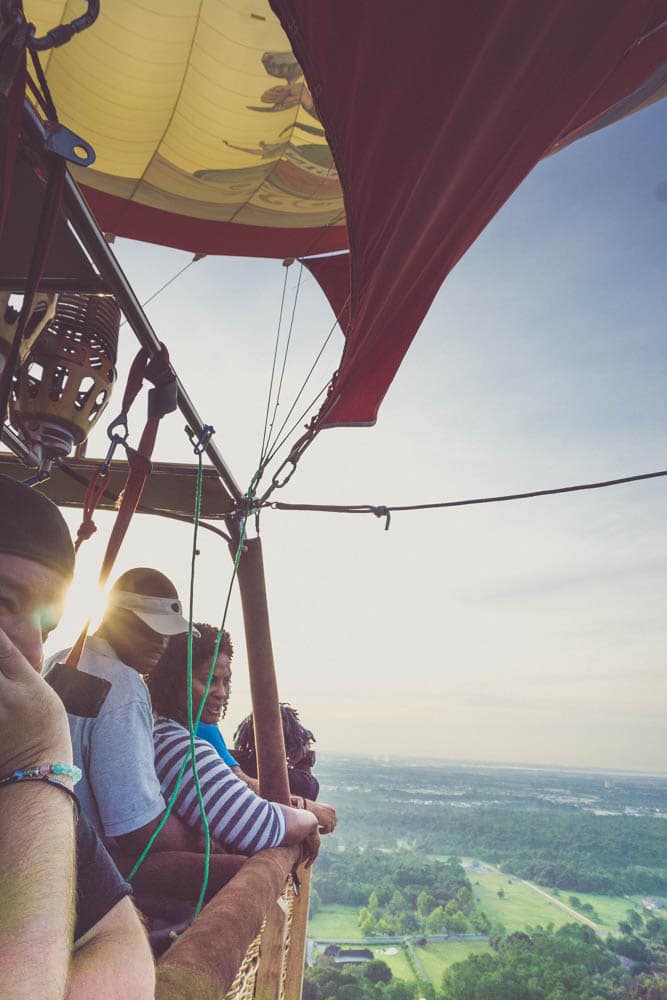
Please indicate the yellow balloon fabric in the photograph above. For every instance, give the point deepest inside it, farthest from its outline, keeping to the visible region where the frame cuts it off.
(196, 108)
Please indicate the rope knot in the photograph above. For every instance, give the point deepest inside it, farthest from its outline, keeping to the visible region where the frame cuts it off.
(87, 529)
(383, 512)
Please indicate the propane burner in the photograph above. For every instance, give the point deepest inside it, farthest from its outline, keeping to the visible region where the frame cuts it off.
(43, 311)
(66, 382)
(48, 440)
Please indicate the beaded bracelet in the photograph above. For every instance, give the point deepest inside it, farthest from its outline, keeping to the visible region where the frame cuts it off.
(43, 771)
(43, 779)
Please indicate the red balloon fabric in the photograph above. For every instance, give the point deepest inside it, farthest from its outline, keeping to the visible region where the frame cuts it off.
(333, 276)
(435, 112)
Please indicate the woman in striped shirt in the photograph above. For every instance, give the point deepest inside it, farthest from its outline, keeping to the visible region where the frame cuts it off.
(239, 820)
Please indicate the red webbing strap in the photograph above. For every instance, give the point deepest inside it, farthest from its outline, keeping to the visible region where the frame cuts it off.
(94, 493)
(140, 467)
(135, 378)
(98, 483)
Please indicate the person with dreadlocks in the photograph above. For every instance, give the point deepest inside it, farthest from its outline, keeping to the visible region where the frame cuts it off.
(239, 820)
(298, 747)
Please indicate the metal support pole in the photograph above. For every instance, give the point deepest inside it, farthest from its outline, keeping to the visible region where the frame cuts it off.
(20, 449)
(102, 256)
(269, 738)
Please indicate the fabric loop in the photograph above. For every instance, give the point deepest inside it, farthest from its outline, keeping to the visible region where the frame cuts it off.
(140, 468)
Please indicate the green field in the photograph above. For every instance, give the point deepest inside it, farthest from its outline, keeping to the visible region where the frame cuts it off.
(438, 956)
(340, 922)
(523, 907)
(335, 921)
(610, 909)
(398, 963)
(520, 907)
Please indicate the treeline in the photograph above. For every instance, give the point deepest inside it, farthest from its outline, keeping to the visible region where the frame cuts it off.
(399, 892)
(353, 875)
(437, 899)
(564, 848)
(372, 981)
(572, 962)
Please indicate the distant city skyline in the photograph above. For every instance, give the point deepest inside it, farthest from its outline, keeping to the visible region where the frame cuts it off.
(530, 632)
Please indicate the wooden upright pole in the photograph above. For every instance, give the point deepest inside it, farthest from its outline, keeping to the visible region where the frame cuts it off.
(269, 738)
(269, 746)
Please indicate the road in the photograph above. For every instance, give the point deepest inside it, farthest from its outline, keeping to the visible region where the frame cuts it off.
(579, 917)
(568, 909)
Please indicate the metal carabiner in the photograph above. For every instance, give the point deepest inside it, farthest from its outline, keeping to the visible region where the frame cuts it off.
(113, 428)
(276, 482)
(116, 438)
(115, 441)
(40, 477)
(199, 443)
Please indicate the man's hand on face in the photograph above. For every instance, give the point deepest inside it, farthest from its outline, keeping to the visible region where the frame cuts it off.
(33, 721)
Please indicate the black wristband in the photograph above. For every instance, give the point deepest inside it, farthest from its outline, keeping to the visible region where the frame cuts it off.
(49, 781)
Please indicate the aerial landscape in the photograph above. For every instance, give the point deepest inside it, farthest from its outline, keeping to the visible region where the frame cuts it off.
(332, 500)
(447, 880)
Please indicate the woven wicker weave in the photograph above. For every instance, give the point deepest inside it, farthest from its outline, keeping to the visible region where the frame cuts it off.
(243, 987)
(288, 897)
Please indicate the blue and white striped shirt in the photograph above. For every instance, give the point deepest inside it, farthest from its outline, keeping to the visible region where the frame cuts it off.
(239, 820)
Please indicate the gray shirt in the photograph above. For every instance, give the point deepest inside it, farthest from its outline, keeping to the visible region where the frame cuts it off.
(119, 791)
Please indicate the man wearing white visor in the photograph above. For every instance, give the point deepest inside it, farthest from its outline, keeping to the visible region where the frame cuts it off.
(119, 792)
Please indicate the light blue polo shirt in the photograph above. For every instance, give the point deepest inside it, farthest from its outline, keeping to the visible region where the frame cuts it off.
(119, 791)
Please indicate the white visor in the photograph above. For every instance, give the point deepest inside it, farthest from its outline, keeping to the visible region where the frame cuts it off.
(162, 614)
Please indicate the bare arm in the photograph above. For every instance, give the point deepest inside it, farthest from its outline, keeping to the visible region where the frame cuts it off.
(174, 836)
(36, 890)
(326, 814)
(113, 959)
(299, 824)
(37, 843)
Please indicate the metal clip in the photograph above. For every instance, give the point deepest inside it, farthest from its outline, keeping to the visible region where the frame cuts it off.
(199, 443)
(120, 423)
(115, 441)
(40, 477)
(63, 142)
(277, 483)
(116, 438)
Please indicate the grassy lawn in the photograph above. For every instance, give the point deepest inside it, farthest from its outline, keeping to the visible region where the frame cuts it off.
(438, 956)
(335, 921)
(610, 909)
(520, 907)
(398, 963)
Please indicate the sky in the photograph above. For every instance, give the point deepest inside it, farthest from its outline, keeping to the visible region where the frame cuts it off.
(530, 632)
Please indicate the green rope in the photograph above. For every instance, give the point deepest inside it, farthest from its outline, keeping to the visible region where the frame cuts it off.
(191, 724)
(190, 757)
(170, 805)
